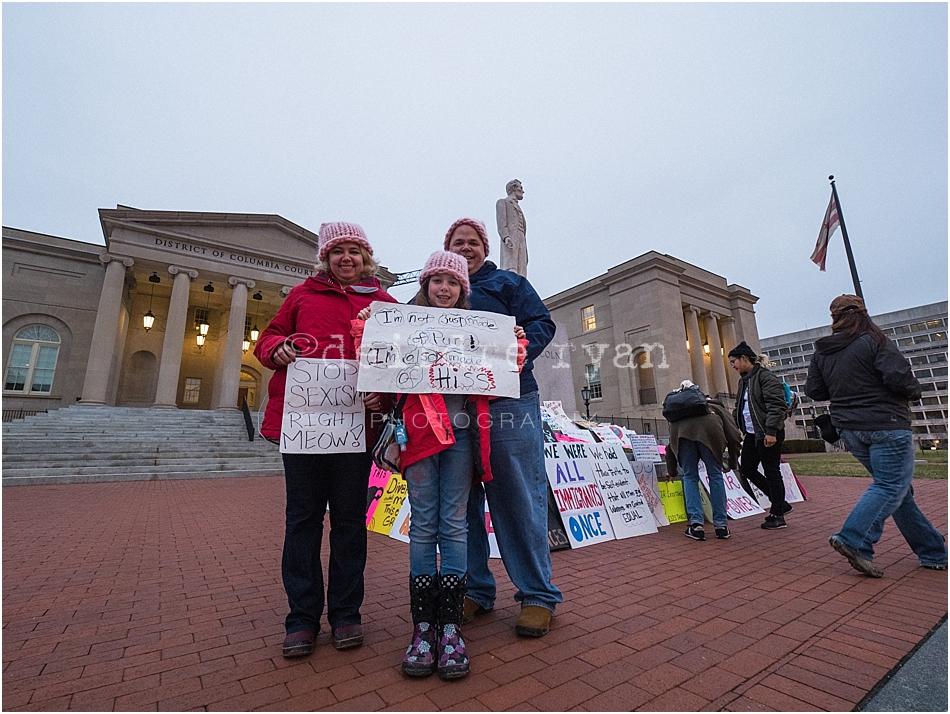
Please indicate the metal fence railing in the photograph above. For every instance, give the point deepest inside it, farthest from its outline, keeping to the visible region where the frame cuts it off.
(12, 414)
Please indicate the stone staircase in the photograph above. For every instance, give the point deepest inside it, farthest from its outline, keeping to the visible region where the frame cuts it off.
(82, 444)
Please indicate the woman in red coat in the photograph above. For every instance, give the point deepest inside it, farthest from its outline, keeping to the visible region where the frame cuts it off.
(314, 321)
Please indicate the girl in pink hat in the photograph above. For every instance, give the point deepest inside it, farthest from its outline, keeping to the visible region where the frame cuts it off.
(441, 459)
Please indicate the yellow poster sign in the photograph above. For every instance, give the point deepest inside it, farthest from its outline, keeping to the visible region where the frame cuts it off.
(671, 494)
(390, 502)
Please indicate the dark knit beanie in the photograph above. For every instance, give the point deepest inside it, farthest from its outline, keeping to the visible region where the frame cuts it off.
(743, 350)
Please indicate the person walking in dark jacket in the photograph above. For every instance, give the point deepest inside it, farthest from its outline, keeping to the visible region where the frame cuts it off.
(703, 437)
(760, 415)
(869, 382)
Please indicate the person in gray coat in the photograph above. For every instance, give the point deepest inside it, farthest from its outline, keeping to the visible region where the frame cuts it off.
(703, 437)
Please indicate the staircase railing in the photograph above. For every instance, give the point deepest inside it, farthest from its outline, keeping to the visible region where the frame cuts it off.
(248, 422)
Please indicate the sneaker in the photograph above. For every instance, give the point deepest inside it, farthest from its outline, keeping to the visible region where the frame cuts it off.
(695, 532)
(787, 508)
(723, 533)
(347, 636)
(774, 523)
(533, 621)
(857, 562)
(935, 567)
(298, 644)
(471, 610)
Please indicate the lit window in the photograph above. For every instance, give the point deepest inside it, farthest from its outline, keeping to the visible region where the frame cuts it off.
(192, 390)
(201, 316)
(938, 336)
(593, 379)
(588, 319)
(32, 360)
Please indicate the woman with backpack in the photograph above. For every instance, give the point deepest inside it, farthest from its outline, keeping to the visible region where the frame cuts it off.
(760, 414)
(703, 436)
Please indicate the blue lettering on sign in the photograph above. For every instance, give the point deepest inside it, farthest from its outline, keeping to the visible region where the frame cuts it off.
(586, 525)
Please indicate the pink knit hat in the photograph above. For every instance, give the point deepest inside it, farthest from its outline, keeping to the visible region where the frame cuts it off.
(474, 223)
(340, 232)
(442, 261)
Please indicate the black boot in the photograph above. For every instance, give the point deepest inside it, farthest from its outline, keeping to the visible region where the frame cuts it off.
(420, 659)
(453, 661)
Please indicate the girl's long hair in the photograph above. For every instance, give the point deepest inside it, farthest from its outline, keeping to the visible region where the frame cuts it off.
(422, 297)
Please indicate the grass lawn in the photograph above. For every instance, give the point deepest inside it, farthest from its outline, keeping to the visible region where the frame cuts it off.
(844, 464)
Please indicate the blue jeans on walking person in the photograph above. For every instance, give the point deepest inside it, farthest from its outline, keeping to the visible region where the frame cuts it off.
(518, 499)
(313, 481)
(438, 495)
(690, 452)
(889, 456)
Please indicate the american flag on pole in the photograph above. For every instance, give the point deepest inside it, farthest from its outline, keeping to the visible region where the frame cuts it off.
(828, 226)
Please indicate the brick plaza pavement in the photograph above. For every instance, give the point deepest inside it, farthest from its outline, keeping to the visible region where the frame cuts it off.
(167, 595)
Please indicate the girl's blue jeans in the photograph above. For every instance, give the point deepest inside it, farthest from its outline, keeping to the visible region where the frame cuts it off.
(438, 496)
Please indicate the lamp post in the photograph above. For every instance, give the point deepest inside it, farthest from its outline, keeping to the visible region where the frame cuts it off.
(585, 395)
(814, 429)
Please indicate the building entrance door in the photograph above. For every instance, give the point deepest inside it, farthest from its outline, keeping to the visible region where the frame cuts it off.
(242, 395)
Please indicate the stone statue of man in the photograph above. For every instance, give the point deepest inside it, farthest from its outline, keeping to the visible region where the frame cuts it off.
(511, 228)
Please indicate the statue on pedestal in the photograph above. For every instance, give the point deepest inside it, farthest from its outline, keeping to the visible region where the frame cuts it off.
(511, 228)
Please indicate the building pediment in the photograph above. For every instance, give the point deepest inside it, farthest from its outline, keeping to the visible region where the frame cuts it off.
(261, 242)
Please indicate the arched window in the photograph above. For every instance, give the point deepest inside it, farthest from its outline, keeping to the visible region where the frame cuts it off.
(32, 360)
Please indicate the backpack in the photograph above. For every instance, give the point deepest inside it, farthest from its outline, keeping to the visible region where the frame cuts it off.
(684, 403)
(792, 400)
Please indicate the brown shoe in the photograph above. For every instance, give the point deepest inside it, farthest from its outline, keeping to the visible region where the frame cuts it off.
(347, 636)
(298, 644)
(471, 610)
(533, 621)
(860, 564)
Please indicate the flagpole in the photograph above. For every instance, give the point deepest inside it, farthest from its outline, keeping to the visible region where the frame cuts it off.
(847, 243)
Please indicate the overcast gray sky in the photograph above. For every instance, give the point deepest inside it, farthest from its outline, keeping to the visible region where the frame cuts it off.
(705, 131)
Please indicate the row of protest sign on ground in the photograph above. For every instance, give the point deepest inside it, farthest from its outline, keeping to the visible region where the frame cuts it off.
(601, 488)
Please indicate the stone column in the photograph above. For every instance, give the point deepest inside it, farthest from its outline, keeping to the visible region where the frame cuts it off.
(728, 344)
(696, 363)
(166, 392)
(720, 382)
(231, 362)
(95, 388)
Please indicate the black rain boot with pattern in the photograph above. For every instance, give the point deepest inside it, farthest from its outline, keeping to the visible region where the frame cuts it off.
(420, 659)
(453, 660)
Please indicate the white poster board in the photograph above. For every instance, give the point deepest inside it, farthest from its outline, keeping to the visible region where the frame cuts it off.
(793, 493)
(607, 435)
(409, 349)
(577, 494)
(323, 412)
(645, 471)
(627, 507)
(739, 504)
(553, 413)
(644, 448)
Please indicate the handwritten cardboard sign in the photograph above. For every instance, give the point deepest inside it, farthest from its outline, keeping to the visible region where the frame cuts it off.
(739, 504)
(323, 413)
(564, 429)
(644, 447)
(390, 503)
(674, 503)
(577, 494)
(645, 471)
(418, 350)
(627, 507)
